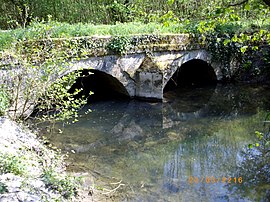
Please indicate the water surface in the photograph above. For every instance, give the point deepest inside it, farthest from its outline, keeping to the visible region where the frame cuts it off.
(160, 150)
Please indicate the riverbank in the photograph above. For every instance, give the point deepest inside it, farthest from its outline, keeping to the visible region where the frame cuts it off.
(30, 169)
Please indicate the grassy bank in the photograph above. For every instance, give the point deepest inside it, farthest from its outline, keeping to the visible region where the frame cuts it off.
(52, 29)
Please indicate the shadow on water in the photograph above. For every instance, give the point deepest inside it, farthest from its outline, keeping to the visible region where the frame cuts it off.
(155, 148)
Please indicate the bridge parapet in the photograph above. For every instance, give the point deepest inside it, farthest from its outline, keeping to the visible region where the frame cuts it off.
(104, 45)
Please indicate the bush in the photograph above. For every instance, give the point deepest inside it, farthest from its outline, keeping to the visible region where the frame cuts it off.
(11, 164)
(119, 44)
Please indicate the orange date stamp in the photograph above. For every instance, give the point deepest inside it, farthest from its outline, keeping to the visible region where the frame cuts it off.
(213, 180)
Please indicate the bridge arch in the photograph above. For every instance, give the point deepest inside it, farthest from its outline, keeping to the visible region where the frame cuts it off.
(194, 67)
(103, 85)
(107, 70)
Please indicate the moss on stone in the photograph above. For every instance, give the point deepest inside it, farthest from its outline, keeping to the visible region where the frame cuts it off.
(97, 45)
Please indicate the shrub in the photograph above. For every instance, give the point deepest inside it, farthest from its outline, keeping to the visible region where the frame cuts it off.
(119, 44)
(11, 164)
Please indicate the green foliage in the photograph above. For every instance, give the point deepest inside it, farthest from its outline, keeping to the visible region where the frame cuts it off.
(169, 18)
(3, 188)
(4, 101)
(52, 29)
(11, 164)
(119, 44)
(243, 47)
(5, 39)
(58, 103)
(119, 12)
(230, 37)
(39, 81)
(261, 138)
(166, 23)
(20, 13)
(66, 185)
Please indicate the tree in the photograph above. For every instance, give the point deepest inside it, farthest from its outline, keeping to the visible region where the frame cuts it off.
(23, 10)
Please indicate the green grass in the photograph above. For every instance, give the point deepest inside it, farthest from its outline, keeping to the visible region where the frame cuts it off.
(65, 30)
(52, 29)
(12, 164)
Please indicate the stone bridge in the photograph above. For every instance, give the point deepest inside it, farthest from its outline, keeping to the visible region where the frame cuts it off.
(148, 65)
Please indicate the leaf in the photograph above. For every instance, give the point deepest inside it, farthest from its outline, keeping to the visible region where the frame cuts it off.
(226, 42)
(250, 146)
(259, 135)
(247, 7)
(166, 24)
(255, 48)
(262, 32)
(235, 38)
(243, 49)
(257, 144)
(170, 2)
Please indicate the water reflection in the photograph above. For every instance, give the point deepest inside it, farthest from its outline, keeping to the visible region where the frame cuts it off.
(196, 160)
(155, 147)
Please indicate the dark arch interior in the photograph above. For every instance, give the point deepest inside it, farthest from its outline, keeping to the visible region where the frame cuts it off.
(192, 73)
(103, 85)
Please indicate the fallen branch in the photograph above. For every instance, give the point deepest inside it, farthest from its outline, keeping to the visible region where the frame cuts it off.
(113, 190)
(115, 183)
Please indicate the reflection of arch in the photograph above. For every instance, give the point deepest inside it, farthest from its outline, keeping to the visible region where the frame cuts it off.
(196, 63)
(102, 84)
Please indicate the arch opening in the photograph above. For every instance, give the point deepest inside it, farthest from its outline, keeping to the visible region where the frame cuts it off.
(103, 85)
(194, 73)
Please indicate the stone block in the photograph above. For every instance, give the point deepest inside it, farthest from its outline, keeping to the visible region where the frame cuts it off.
(149, 85)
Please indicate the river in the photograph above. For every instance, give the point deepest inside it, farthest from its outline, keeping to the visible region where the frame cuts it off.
(187, 148)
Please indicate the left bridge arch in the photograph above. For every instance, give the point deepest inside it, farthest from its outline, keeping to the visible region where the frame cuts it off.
(111, 72)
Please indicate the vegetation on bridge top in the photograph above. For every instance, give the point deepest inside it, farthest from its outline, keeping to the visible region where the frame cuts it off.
(53, 29)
